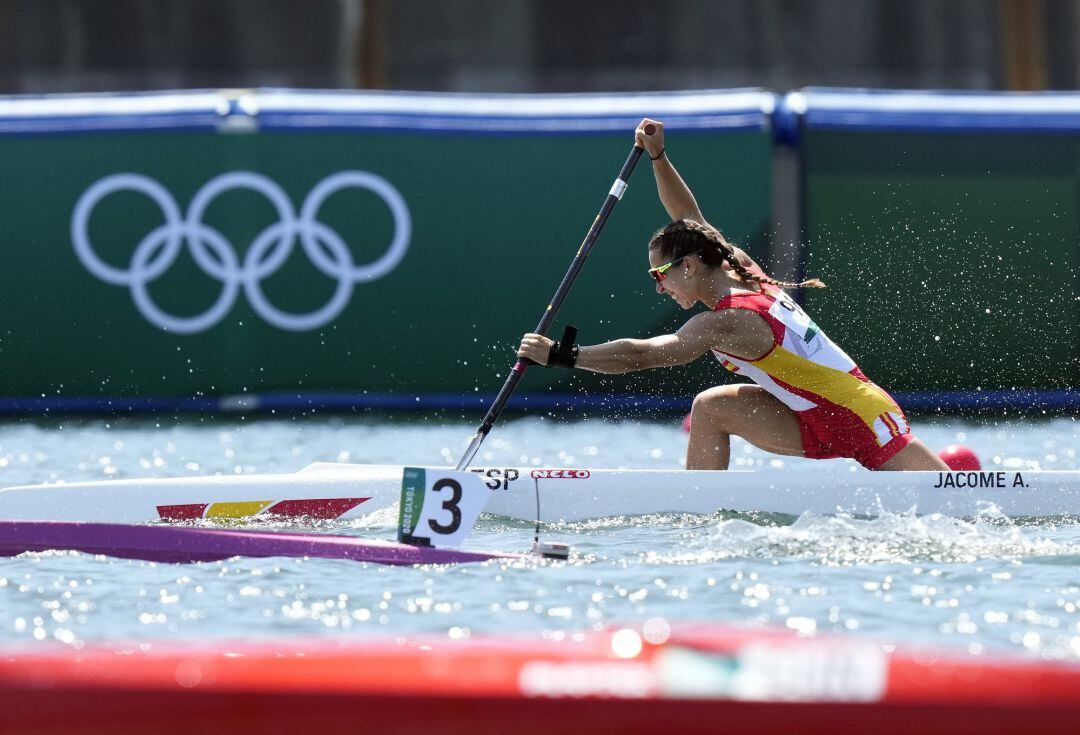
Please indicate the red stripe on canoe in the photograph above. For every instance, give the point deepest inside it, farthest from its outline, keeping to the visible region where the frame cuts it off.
(325, 509)
(188, 512)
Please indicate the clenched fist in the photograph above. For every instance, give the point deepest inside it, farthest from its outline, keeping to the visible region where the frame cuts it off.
(652, 143)
(535, 347)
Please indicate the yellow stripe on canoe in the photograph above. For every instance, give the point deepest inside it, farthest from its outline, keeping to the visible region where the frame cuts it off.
(237, 510)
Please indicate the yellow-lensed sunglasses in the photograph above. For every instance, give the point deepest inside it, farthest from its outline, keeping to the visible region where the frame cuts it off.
(659, 273)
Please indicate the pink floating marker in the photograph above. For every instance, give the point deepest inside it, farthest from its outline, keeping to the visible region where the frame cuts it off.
(960, 458)
(185, 544)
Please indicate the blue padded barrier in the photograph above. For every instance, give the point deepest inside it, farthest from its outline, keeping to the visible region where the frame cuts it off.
(111, 113)
(923, 111)
(494, 114)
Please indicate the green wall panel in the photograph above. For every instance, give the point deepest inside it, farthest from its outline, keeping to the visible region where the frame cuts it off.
(951, 260)
(495, 222)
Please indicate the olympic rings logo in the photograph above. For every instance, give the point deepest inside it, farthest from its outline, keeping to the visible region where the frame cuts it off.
(215, 255)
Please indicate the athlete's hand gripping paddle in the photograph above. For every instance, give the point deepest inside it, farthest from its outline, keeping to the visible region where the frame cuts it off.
(552, 309)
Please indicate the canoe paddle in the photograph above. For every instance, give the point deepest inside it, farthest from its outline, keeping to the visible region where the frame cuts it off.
(548, 316)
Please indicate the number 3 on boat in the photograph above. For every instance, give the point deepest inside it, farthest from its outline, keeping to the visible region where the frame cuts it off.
(439, 507)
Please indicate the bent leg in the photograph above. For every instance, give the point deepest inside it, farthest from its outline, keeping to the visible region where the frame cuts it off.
(915, 456)
(748, 411)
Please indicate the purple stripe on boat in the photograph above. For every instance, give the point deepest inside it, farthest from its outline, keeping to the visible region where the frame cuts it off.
(184, 544)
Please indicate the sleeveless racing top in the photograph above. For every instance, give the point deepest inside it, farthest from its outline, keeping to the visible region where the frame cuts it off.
(807, 370)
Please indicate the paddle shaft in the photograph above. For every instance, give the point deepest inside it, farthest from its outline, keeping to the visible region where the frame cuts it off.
(548, 316)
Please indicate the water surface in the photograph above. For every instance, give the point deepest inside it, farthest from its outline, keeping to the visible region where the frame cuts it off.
(982, 583)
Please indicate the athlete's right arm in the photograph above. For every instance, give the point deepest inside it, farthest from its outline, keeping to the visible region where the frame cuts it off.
(734, 331)
(699, 335)
(675, 195)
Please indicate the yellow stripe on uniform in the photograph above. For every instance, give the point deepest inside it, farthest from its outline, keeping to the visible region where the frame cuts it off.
(844, 389)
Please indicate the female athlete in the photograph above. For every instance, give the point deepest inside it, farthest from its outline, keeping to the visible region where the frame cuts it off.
(810, 399)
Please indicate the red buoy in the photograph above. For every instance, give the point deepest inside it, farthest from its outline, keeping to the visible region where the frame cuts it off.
(960, 458)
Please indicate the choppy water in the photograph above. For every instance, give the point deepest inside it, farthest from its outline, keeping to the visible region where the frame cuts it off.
(985, 583)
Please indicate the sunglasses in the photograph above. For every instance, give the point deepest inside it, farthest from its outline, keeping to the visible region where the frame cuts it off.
(659, 273)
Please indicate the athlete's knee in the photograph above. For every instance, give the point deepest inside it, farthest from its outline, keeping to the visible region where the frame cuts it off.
(715, 405)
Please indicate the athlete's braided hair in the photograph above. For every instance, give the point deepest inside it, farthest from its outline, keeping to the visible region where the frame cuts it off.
(687, 236)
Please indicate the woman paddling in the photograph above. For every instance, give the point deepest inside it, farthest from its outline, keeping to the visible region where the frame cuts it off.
(811, 400)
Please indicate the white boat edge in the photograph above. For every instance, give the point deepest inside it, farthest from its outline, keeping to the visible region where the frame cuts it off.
(566, 495)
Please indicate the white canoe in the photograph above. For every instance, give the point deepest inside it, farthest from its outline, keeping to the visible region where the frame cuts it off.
(344, 491)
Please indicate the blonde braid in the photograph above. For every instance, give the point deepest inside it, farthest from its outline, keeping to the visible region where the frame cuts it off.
(727, 251)
(745, 275)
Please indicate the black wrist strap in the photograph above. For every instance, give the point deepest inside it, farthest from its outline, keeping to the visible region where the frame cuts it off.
(658, 155)
(564, 353)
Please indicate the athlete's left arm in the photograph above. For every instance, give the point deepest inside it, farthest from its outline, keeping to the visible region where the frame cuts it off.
(694, 339)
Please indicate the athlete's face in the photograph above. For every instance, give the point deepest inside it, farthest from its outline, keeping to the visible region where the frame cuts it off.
(675, 281)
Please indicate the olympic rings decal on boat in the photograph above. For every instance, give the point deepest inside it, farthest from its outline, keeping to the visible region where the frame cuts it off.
(158, 250)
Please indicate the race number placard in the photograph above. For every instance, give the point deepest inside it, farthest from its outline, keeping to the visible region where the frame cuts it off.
(439, 507)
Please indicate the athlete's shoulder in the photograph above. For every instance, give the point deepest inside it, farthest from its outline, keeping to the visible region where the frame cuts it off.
(739, 332)
(724, 320)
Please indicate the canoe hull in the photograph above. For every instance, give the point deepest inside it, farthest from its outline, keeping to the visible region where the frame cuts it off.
(346, 492)
(184, 544)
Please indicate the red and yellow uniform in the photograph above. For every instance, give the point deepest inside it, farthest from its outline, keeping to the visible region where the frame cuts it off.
(841, 412)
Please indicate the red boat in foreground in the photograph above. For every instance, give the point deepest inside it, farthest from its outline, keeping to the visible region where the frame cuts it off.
(646, 679)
